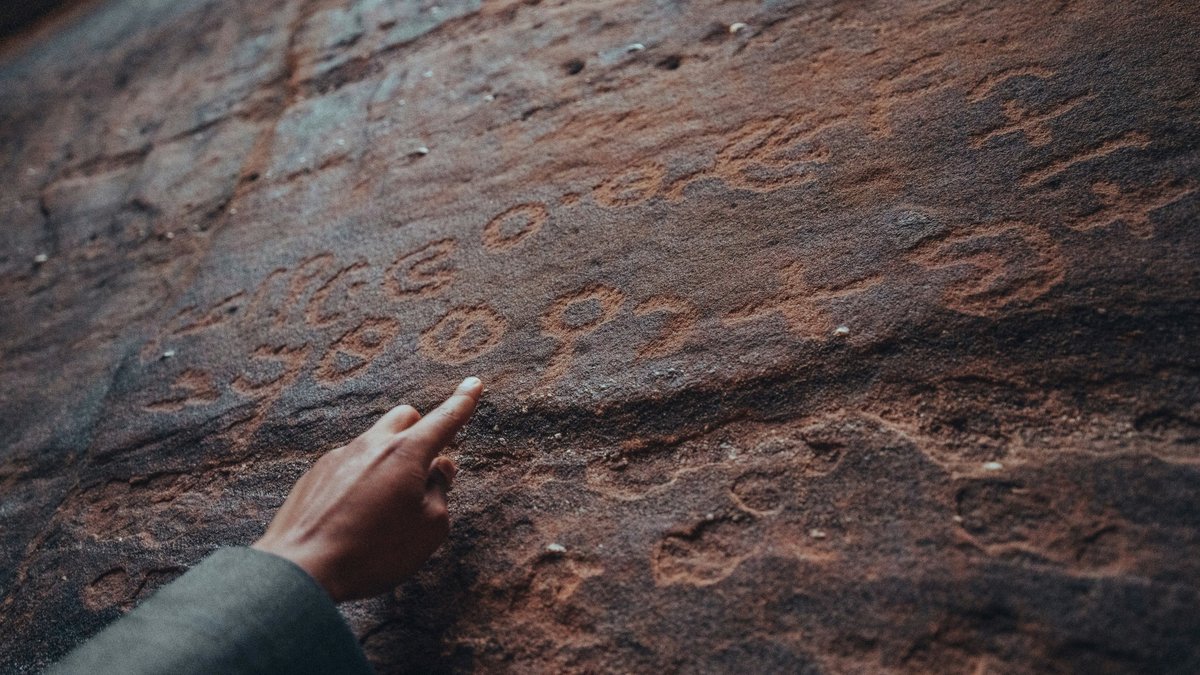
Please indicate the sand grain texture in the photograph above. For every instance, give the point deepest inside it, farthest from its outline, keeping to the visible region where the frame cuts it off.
(859, 338)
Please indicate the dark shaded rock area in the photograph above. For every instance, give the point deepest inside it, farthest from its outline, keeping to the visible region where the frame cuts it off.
(823, 336)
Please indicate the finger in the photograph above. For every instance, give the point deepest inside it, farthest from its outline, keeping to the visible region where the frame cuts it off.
(397, 419)
(442, 471)
(434, 431)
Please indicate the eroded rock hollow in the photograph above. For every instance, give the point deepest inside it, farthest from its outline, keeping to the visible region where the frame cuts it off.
(819, 336)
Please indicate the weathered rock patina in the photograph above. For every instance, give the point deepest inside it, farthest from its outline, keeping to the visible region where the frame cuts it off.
(819, 336)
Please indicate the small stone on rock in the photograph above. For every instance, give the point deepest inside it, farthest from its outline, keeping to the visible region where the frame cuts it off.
(993, 466)
(737, 27)
(816, 534)
(635, 47)
(841, 330)
(170, 353)
(40, 258)
(556, 548)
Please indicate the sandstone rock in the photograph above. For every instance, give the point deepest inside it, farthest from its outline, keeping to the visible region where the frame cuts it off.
(817, 336)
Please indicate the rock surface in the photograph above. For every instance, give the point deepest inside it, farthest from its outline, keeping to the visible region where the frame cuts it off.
(819, 336)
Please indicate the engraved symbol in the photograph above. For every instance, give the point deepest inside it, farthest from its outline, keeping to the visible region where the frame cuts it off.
(1035, 126)
(1132, 139)
(574, 315)
(766, 155)
(514, 226)
(273, 369)
(308, 272)
(423, 272)
(701, 555)
(191, 388)
(1131, 207)
(337, 291)
(801, 305)
(676, 328)
(632, 187)
(990, 83)
(919, 77)
(463, 334)
(993, 266)
(354, 350)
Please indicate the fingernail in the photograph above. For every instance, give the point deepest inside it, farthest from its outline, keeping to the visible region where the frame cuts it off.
(470, 383)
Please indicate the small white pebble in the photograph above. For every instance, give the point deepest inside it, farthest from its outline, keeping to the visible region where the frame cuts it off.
(170, 353)
(428, 73)
(496, 427)
(40, 258)
(558, 436)
(737, 27)
(489, 97)
(340, 141)
(635, 47)
(64, 578)
(169, 236)
(958, 518)
(816, 534)
(992, 466)
(556, 548)
(841, 330)
(709, 516)
(422, 151)
(233, 211)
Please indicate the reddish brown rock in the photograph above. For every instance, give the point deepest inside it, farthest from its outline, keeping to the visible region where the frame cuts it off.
(823, 336)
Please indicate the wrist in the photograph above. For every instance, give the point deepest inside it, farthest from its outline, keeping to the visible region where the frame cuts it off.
(314, 567)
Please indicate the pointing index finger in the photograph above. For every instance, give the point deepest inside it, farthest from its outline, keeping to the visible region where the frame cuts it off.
(434, 431)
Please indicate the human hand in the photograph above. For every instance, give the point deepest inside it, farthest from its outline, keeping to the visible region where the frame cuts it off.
(368, 514)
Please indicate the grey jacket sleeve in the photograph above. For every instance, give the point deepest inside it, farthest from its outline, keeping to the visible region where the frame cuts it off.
(238, 611)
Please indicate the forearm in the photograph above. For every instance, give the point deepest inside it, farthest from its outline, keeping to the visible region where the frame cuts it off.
(238, 611)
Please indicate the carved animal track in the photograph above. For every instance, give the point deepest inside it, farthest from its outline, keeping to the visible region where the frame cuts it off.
(355, 349)
(423, 272)
(994, 266)
(339, 290)
(800, 305)
(463, 334)
(568, 319)
(631, 187)
(191, 388)
(513, 226)
(1132, 139)
(1131, 207)
(701, 555)
(676, 329)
